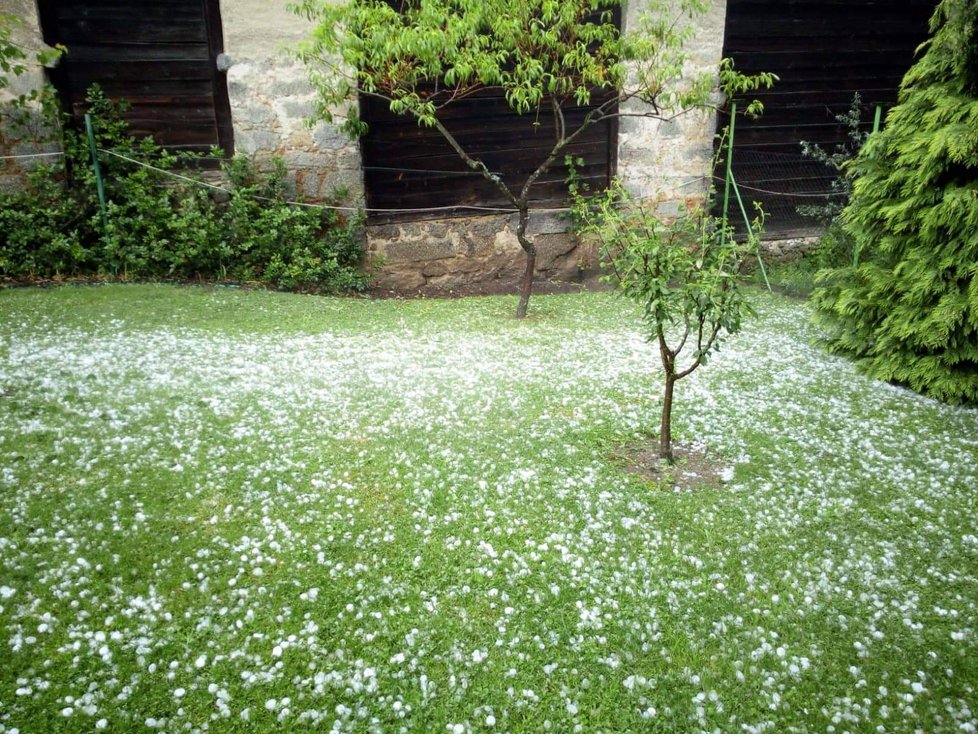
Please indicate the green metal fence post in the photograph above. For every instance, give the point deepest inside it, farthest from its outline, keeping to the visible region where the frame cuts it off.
(730, 142)
(728, 182)
(750, 228)
(99, 185)
(877, 118)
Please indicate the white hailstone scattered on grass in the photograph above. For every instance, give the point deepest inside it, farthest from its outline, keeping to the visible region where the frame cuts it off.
(201, 661)
(287, 398)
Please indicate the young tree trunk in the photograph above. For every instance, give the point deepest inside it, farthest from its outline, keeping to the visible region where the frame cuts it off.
(665, 431)
(526, 285)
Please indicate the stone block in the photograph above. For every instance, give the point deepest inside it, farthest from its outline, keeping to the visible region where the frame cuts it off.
(416, 251)
(547, 223)
(10, 183)
(301, 159)
(387, 278)
(296, 109)
(553, 246)
(254, 115)
(255, 141)
(352, 181)
(330, 137)
(292, 84)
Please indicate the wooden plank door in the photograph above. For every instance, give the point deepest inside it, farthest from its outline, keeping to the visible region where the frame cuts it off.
(159, 55)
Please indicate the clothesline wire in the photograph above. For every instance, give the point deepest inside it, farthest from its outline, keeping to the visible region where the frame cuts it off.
(395, 210)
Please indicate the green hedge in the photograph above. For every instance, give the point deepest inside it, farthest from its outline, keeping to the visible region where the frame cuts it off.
(162, 227)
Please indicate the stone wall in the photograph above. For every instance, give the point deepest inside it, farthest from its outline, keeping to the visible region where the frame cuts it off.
(671, 161)
(272, 100)
(445, 254)
(23, 133)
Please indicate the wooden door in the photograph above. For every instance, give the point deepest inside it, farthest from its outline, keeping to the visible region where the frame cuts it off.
(159, 55)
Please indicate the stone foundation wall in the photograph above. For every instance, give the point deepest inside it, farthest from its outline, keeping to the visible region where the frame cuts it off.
(446, 254)
(788, 249)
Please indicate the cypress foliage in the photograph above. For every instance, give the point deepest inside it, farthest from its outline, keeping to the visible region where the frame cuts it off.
(909, 312)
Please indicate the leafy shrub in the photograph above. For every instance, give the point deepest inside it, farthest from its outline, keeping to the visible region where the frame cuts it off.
(835, 247)
(159, 226)
(797, 277)
(841, 188)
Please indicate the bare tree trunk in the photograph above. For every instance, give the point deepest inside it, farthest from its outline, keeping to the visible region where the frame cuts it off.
(665, 431)
(526, 285)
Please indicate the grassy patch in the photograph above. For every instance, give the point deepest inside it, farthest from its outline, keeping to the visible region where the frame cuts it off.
(250, 511)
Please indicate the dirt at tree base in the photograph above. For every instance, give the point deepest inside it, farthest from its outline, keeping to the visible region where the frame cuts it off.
(694, 467)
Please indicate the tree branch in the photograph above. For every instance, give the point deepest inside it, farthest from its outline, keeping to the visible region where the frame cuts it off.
(702, 350)
(477, 165)
(686, 333)
(561, 143)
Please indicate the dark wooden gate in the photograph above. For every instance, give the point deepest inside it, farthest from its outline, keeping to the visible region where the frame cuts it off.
(824, 51)
(159, 55)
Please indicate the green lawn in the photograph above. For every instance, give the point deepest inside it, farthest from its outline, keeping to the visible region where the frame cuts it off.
(236, 511)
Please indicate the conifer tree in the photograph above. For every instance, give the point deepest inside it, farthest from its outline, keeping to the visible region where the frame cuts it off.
(908, 312)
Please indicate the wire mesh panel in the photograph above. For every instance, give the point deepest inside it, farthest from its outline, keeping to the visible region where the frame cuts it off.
(786, 186)
(824, 53)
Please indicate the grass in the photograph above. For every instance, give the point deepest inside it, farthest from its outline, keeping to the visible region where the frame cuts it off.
(234, 511)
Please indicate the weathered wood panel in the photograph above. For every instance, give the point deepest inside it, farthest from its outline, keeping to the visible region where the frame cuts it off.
(824, 51)
(159, 55)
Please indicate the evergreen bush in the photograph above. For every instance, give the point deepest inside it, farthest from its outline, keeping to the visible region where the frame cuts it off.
(909, 312)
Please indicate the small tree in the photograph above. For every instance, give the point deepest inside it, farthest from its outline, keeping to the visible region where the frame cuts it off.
(682, 271)
(544, 55)
(909, 312)
(836, 160)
